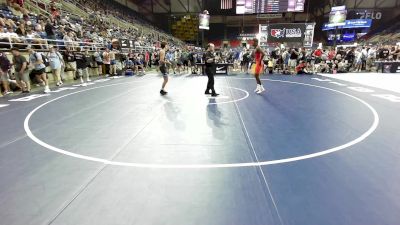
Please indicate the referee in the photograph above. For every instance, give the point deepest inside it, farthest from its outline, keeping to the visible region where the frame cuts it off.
(210, 64)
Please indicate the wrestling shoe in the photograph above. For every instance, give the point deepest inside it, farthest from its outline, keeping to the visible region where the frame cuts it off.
(261, 90)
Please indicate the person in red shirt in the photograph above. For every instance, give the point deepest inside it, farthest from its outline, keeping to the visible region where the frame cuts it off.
(318, 52)
(300, 68)
(55, 13)
(331, 54)
(146, 59)
(318, 58)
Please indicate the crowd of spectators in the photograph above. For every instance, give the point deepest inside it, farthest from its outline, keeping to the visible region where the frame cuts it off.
(97, 9)
(311, 61)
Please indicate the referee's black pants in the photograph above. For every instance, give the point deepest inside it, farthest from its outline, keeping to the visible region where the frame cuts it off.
(210, 83)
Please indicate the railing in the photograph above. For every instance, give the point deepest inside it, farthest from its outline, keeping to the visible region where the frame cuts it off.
(60, 43)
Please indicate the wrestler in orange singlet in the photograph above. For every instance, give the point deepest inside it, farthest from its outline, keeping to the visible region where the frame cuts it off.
(258, 55)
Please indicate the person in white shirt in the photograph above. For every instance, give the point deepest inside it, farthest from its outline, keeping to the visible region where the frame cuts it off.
(56, 64)
(358, 62)
(68, 41)
(364, 56)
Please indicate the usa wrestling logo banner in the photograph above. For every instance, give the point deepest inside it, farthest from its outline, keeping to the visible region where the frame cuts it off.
(286, 32)
(278, 33)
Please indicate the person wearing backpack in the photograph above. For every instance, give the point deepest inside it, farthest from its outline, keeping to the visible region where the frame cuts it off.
(5, 66)
(37, 63)
(56, 63)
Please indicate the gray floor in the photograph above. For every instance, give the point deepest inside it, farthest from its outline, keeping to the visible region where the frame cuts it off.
(157, 154)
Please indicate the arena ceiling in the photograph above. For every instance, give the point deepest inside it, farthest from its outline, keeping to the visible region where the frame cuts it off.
(196, 6)
(168, 6)
(165, 12)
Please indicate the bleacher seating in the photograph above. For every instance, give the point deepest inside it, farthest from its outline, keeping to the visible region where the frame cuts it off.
(389, 34)
(81, 16)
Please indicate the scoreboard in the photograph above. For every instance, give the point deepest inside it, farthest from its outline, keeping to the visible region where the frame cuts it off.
(268, 6)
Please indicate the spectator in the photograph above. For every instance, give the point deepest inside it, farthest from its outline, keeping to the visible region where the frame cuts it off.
(370, 58)
(323, 67)
(21, 31)
(55, 13)
(350, 58)
(147, 59)
(358, 57)
(129, 65)
(49, 29)
(113, 63)
(246, 60)
(6, 22)
(302, 68)
(68, 41)
(293, 61)
(70, 63)
(99, 61)
(178, 61)
(285, 61)
(170, 60)
(18, 5)
(396, 53)
(317, 58)
(107, 61)
(10, 35)
(139, 65)
(4, 39)
(384, 53)
(5, 66)
(36, 41)
(331, 54)
(21, 70)
(82, 65)
(56, 64)
(38, 67)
